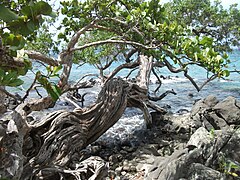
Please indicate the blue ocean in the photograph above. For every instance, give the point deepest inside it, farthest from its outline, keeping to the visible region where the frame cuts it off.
(186, 94)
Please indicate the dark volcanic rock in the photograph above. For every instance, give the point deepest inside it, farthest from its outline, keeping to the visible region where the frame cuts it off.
(229, 110)
(216, 115)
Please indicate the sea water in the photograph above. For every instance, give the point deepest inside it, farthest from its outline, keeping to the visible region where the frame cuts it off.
(186, 94)
(132, 120)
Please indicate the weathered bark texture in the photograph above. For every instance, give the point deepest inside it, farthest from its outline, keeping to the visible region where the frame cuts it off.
(12, 131)
(62, 134)
(3, 108)
(52, 147)
(199, 159)
(59, 138)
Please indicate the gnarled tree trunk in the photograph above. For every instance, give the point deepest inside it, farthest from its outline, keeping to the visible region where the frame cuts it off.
(53, 146)
(3, 108)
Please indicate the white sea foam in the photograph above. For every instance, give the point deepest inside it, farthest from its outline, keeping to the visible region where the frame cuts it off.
(124, 127)
(168, 79)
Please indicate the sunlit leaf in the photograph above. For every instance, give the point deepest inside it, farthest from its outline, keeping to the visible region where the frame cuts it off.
(6, 14)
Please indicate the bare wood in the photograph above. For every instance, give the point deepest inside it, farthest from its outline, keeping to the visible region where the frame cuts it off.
(8, 61)
(145, 67)
(122, 66)
(158, 98)
(159, 80)
(40, 57)
(4, 92)
(112, 41)
(82, 127)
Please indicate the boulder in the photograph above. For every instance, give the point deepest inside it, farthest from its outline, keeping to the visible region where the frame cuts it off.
(200, 159)
(232, 148)
(198, 110)
(229, 110)
(212, 114)
(201, 172)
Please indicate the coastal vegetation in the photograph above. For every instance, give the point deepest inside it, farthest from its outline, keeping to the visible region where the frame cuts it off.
(143, 36)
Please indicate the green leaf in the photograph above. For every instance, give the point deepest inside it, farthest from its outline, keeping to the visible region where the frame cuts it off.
(225, 55)
(15, 82)
(42, 7)
(20, 26)
(31, 26)
(56, 69)
(129, 18)
(206, 41)
(57, 90)
(28, 11)
(226, 73)
(7, 15)
(7, 78)
(12, 40)
(51, 92)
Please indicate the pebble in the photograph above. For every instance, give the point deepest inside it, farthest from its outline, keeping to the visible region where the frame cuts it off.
(133, 168)
(95, 149)
(123, 173)
(126, 168)
(118, 170)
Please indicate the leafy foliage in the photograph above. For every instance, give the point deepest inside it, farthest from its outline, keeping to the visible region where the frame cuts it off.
(208, 19)
(147, 23)
(53, 90)
(180, 33)
(19, 20)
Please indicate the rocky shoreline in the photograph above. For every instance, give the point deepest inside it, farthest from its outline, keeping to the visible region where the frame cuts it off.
(202, 144)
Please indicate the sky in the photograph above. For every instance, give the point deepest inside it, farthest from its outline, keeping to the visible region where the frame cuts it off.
(225, 3)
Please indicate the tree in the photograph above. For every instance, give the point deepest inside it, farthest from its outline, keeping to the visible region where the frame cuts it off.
(99, 32)
(208, 19)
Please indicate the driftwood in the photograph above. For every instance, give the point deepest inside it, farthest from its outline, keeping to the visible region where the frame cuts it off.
(62, 135)
(52, 147)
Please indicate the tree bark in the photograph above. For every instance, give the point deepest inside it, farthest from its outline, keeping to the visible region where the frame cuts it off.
(52, 147)
(62, 134)
(3, 107)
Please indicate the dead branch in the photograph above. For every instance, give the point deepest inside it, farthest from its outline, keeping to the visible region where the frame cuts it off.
(17, 98)
(134, 69)
(159, 80)
(214, 76)
(86, 75)
(72, 102)
(119, 68)
(111, 41)
(162, 95)
(29, 89)
(129, 55)
(42, 58)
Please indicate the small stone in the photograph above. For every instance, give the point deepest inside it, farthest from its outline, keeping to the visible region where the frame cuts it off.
(95, 150)
(111, 174)
(120, 157)
(125, 163)
(113, 159)
(118, 170)
(128, 149)
(126, 168)
(123, 152)
(133, 168)
(123, 173)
